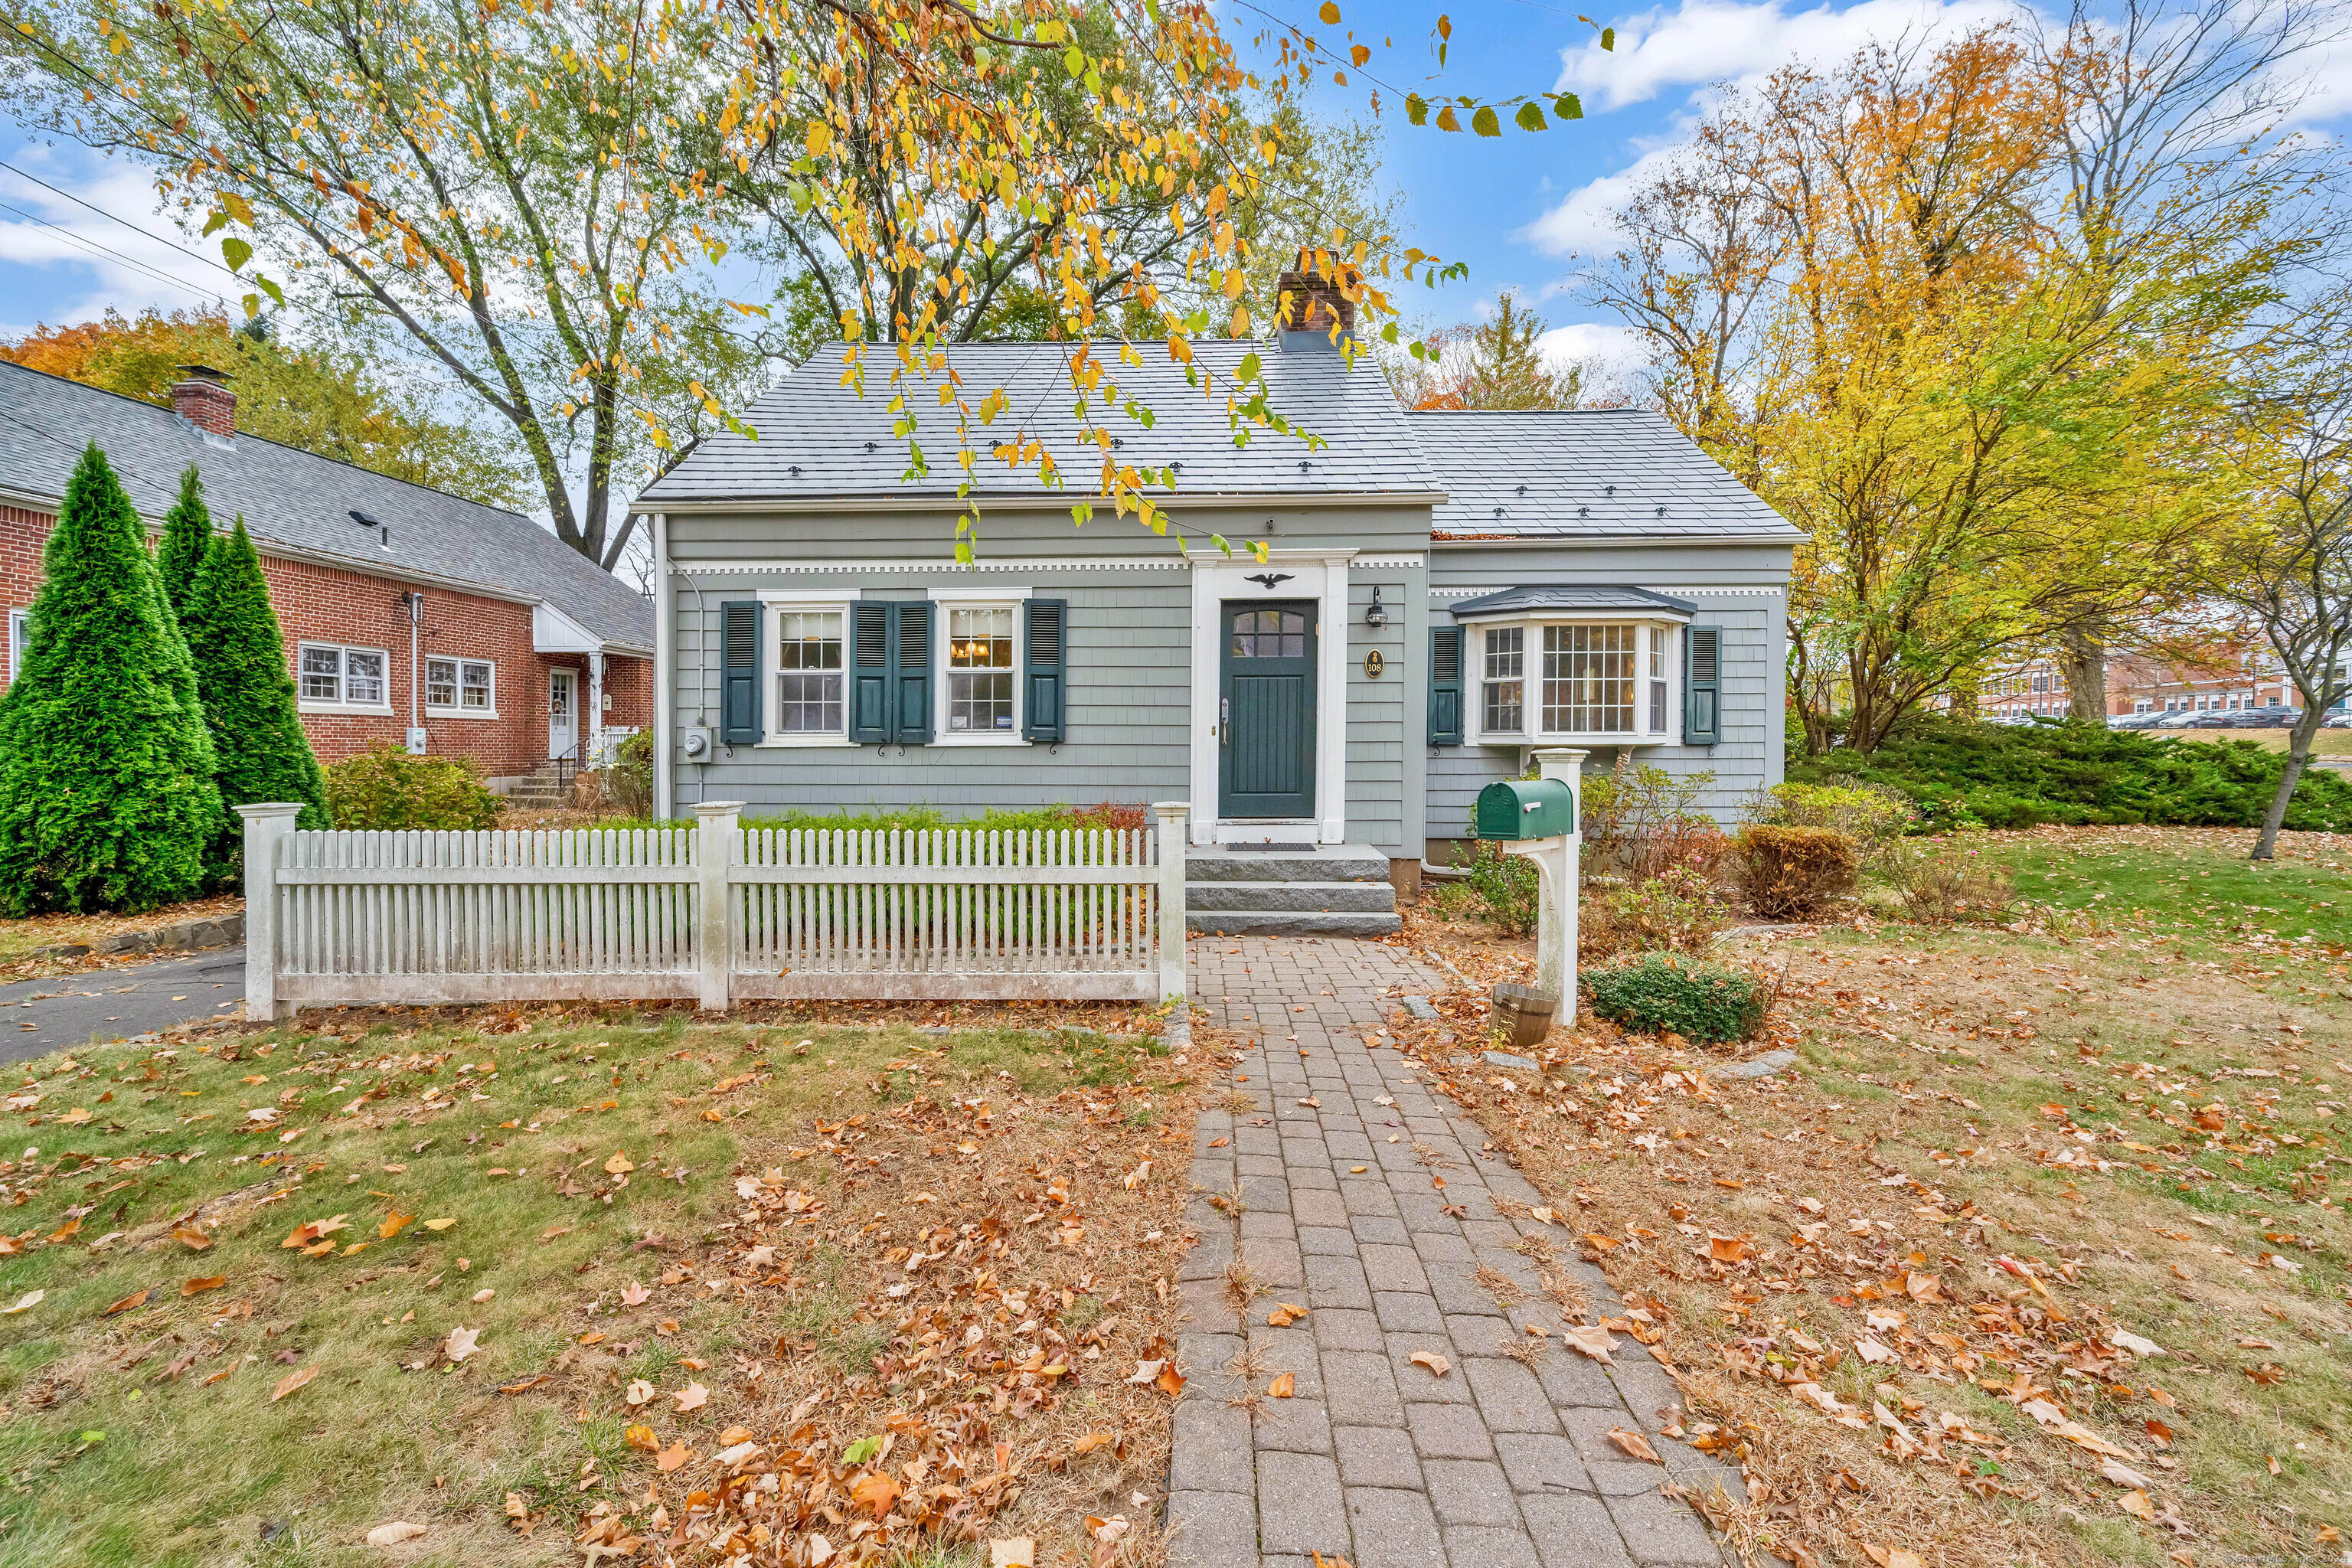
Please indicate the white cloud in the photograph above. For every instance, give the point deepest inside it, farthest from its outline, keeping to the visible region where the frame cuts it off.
(1581, 224)
(85, 262)
(1702, 42)
(1612, 353)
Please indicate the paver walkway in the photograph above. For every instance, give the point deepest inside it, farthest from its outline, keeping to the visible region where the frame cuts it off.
(1494, 1465)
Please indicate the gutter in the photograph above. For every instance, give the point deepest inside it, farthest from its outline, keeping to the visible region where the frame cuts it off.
(647, 505)
(1554, 540)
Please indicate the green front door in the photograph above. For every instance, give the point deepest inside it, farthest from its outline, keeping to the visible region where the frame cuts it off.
(1265, 729)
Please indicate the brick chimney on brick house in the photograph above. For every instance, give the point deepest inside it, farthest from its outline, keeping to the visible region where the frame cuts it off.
(202, 397)
(1311, 290)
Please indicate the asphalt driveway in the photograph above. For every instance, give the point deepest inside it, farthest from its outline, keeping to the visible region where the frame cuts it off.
(38, 1016)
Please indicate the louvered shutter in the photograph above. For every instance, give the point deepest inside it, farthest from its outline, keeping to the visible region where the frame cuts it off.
(1702, 686)
(911, 674)
(1047, 625)
(870, 674)
(739, 672)
(1445, 686)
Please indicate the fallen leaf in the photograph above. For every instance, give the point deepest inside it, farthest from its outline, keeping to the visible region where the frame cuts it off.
(1170, 1382)
(1091, 1441)
(634, 1295)
(673, 1457)
(194, 1239)
(2123, 1475)
(1021, 1551)
(1437, 1364)
(820, 1552)
(30, 1299)
(2135, 1503)
(1145, 1371)
(1634, 1442)
(876, 1491)
(619, 1165)
(1286, 1385)
(394, 1224)
(136, 1299)
(290, 1382)
(1283, 1315)
(395, 1532)
(1726, 1249)
(1592, 1341)
(1874, 1353)
(2134, 1343)
(693, 1396)
(198, 1287)
(441, 1223)
(637, 1434)
(462, 1342)
(639, 1392)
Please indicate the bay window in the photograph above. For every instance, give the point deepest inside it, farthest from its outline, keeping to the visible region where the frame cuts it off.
(1538, 677)
(1588, 679)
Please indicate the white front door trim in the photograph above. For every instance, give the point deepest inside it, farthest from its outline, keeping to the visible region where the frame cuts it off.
(1318, 575)
(563, 712)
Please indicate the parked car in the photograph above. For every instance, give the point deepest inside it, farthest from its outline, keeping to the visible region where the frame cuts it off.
(2276, 716)
(2180, 721)
(2341, 719)
(2132, 720)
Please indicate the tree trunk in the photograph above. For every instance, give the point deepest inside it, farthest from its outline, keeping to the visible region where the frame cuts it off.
(2083, 657)
(2298, 756)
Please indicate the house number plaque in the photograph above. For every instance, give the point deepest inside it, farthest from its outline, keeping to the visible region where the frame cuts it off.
(1374, 664)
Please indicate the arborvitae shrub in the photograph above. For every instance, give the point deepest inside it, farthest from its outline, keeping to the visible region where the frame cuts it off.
(107, 798)
(188, 541)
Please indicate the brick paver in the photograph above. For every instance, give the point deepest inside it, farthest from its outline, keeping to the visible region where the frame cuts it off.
(1375, 1459)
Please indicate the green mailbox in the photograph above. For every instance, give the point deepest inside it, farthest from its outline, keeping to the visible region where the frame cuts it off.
(1526, 808)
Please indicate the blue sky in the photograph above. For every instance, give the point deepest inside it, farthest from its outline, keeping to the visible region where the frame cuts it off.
(1521, 211)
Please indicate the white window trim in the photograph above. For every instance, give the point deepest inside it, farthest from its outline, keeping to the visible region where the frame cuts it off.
(947, 600)
(20, 640)
(1532, 732)
(314, 705)
(435, 710)
(773, 603)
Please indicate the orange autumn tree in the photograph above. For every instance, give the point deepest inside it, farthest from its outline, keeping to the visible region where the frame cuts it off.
(537, 191)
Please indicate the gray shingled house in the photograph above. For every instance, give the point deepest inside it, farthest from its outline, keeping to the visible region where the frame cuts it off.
(1441, 593)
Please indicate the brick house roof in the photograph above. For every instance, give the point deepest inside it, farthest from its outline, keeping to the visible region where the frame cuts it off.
(301, 503)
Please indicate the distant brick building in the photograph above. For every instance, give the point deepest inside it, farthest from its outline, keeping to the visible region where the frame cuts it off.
(2227, 682)
(410, 615)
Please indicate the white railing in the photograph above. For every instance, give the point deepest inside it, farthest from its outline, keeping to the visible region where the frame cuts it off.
(335, 918)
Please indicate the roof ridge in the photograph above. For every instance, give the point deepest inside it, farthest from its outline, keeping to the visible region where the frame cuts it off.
(170, 414)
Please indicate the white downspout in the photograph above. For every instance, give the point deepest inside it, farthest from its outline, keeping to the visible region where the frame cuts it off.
(415, 671)
(665, 673)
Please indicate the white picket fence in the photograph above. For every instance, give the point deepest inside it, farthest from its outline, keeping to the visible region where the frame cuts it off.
(360, 918)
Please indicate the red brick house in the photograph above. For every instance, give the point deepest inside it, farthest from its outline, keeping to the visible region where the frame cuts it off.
(410, 615)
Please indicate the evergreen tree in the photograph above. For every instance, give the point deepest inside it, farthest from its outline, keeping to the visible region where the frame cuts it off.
(107, 798)
(187, 536)
(249, 696)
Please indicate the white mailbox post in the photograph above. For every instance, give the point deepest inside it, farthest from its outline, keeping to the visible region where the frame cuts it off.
(1557, 869)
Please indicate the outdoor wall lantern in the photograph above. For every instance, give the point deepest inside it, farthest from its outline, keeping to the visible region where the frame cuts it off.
(1376, 617)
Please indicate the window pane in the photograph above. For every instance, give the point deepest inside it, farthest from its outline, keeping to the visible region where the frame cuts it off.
(808, 639)
(1588, 679)
(1502, 710)
(477, 686)
(323, 674)
(1657, 706)
(441, 682)
(980, 671)
(362, 675)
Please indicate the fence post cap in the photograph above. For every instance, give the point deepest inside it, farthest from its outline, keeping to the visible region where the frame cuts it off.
(1171, 807)
(710, 808)
(270, 810)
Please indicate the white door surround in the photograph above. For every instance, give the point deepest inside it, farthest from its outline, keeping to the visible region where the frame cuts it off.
(563, 713)
(1317, 574)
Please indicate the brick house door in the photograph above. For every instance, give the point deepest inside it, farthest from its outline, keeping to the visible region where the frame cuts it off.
(563, 713)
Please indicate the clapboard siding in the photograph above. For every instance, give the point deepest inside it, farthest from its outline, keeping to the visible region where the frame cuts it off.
(1742, 589)
(1376, 756)
(1127, 705)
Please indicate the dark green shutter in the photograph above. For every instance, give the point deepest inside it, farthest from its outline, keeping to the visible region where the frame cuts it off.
(1445, 686)
(1702, 686)
(870, 674)
(739, 677)
(911, 673)
(1045, 623)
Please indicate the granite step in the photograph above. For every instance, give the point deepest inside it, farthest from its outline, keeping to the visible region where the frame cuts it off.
(1274, 923)
(1292, 898)
(1320, 863)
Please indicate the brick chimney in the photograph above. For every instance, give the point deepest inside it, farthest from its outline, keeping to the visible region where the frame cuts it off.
(1315, 301)
(202, 397)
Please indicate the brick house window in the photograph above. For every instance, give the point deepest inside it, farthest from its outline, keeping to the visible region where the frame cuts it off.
(342, 677)
(20, 641)
(465, 686)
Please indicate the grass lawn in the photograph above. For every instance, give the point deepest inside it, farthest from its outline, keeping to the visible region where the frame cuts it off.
(2325, 744)
(602, 1281)
(2037, 1253)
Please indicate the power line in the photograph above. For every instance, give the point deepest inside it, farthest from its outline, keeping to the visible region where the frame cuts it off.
(191, 255)
(131, 262)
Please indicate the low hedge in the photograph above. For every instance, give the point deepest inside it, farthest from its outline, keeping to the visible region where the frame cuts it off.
(1962, 773)
(1657, 994)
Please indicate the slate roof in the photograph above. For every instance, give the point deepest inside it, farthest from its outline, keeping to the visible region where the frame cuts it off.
(1543, 475)
(303, 501)
(1570, 596)
(819, 439)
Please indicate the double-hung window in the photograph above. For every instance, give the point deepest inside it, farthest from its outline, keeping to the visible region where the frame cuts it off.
(808, 673)
(334, 675)
(1588, 679)
(1658, 668)
(1502, 691)
(980, 671)
(463, 686)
